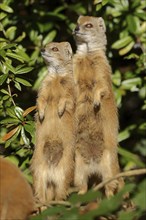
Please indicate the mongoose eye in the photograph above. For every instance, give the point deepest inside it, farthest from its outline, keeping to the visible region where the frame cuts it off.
(55, 49)
(89, 25)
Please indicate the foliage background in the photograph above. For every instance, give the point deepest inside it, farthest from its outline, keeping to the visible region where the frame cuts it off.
(25, 26)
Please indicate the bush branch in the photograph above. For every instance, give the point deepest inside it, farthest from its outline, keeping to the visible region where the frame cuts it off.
(123, 174)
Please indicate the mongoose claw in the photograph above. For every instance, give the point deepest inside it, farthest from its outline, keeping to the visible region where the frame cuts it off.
(61, 108)
(96, 105)
(41, 116)
(61, 112)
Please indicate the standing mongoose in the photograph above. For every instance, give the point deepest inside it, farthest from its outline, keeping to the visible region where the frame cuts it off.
(53, 160)
(16, 197)
(96, 111)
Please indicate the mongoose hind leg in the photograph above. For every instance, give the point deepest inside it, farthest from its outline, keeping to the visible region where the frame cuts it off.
(50, 193)
(61, 192)
(40, 189)
(110, 168)
(80, 178)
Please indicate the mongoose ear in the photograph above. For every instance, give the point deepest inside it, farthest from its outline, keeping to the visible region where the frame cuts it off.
(101, 24)
(69, 49)
(78, 20)
(80, 16)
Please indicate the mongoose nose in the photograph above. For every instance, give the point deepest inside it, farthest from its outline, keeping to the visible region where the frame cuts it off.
(42, 50)
(76, 29)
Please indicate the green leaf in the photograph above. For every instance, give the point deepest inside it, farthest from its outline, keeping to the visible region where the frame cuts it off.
(89, 196)
(9, 121)
(17, 86)
(2, 53)
(21, 52)
(11, 112)
(97, 1)
(42, 73)
(10, 32)
(140, 200)
(128, 215)
(104, 2)
(3, 40)
(132, 56)
(142, 186)
(135, 3)
(98, 7)
(2, 15)
(3, 78)
(21, 37)
(60, 16)
(8, 46)
(78, 8)
(131, 84)
(131, 157)
(19, 113)
(4, 91)
(126, 49)
(15, 56)
(13, 159)
(109, 205)
(133, 23)
(24, 137)
(123, 135)
(51, 211)
(9, 66)
(50, 37)
(59, 9)
(22, 81)
(6, 97)
(29, 128)
(6, 8)
(70, 214)
(23, 70)
(122, 42)
(116, 78)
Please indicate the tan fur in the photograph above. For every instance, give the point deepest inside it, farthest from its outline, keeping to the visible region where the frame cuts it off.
(53, 159)
(16, 198)
(96, 111)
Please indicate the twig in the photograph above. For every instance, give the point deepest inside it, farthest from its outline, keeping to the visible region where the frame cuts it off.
(123, 174)
(9, 90)
(65, 203)
(73, 190)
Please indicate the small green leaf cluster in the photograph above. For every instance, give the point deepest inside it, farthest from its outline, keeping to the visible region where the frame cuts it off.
(17, 128)
(76, 208)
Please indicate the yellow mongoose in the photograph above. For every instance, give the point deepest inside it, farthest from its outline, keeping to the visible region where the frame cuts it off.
(16, 197)
(53, 159)
(96, 111)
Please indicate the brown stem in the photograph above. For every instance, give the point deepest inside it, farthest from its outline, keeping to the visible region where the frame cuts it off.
(123, 174)
(9, 90)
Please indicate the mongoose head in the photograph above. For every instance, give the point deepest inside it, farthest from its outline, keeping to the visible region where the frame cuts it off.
(90, 31)
(57, 55)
